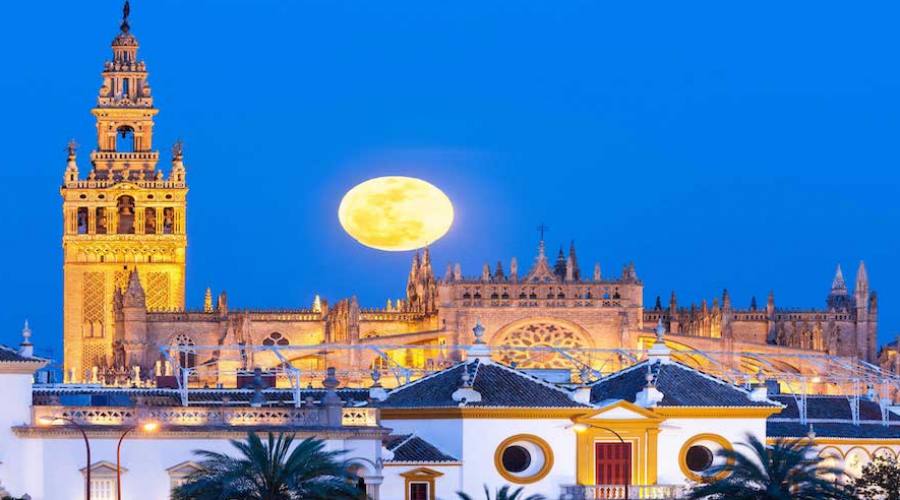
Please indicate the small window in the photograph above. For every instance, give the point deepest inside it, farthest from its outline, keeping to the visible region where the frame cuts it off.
(699, 458)
(516, 459)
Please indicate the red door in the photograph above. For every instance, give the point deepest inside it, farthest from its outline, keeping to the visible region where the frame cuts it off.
(613, 463)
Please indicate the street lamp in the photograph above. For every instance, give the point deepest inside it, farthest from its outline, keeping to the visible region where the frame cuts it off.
(148, 427)
(87, 446)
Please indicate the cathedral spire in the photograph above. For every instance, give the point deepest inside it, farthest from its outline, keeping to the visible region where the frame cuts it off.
(134, 292)
(862, 277)
(576, 272)
(838, 287)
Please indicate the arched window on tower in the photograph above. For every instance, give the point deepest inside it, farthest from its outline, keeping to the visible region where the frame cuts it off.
(187, 356)
(276, 338)
(125, 212)
(125, 87)
(149, 220)
(125, 142)
(168, 220)
(101, 220)
(82, 220)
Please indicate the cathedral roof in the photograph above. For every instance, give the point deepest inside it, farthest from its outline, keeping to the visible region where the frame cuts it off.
(681, 385)
(830, 408)
(847, 430)
(412, 448)
(498, 386)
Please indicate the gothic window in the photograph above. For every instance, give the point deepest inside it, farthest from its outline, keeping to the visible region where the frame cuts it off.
(522, 295)
(125, 142)
(275, 338)
(495, 296)
(533, 295)
(82, 220)
(505, 295)
(125, 210)
(101, 220)
(187, 356)
(149, 221)
(477, 295)
(545, 335)
(168, 220)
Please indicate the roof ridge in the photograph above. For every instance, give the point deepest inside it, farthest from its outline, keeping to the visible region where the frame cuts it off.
(405, 440)
(619, 373)
(719, 381)
(533, 378)
(426, 377)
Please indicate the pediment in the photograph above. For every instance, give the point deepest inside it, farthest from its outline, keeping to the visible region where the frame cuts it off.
(184, 468)
(622, 410)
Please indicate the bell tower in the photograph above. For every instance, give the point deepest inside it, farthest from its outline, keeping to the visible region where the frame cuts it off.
(125, 216)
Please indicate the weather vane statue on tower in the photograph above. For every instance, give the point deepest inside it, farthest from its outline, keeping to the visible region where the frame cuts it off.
(126, 9)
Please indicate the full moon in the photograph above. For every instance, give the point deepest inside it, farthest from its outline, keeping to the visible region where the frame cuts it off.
(396, 213)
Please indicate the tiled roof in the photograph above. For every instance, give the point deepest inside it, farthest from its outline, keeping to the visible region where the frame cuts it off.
(412, 448)
(10, 355)
(84, 396)
(680, 385)
(795, 429)
(829, 407)
(499, 386)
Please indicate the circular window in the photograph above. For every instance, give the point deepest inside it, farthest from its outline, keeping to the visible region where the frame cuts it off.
(102, 196)
(168, 196)
(699, 458)
(83, 196)
(516, 458)
(523, 459)
(149, 196)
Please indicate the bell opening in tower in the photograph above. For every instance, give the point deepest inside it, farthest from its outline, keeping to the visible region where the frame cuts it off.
(125, 143)
(126, 215)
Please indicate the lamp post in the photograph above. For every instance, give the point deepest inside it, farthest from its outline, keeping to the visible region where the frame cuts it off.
(87, 446)
(146, 427)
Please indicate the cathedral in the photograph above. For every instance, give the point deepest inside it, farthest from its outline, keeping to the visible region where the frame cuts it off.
(125, 238)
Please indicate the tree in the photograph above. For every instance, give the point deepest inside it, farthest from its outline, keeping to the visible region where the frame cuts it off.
(270, 471)
(788, 469)
(880, 479)
(503, 493)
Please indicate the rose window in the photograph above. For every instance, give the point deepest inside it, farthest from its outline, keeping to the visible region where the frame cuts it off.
(530, 345)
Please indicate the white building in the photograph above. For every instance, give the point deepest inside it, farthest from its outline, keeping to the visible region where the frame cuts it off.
(653, 427)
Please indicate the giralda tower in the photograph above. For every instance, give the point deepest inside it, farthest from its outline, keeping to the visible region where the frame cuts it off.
(124, 224)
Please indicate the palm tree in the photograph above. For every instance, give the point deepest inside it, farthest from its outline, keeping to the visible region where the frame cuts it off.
(270, 471)
(503, 493)
(788, 469)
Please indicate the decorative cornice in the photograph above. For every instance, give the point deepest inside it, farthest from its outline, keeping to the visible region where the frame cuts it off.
(717, 411)
(462, 413)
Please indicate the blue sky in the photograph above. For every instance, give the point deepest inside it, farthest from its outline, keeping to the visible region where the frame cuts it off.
(751, 146)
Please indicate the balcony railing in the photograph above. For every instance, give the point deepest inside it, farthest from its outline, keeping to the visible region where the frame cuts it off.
(204, 416)
(621, 491)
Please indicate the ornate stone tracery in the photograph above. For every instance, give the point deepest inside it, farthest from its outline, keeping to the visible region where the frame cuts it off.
(548, 333)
